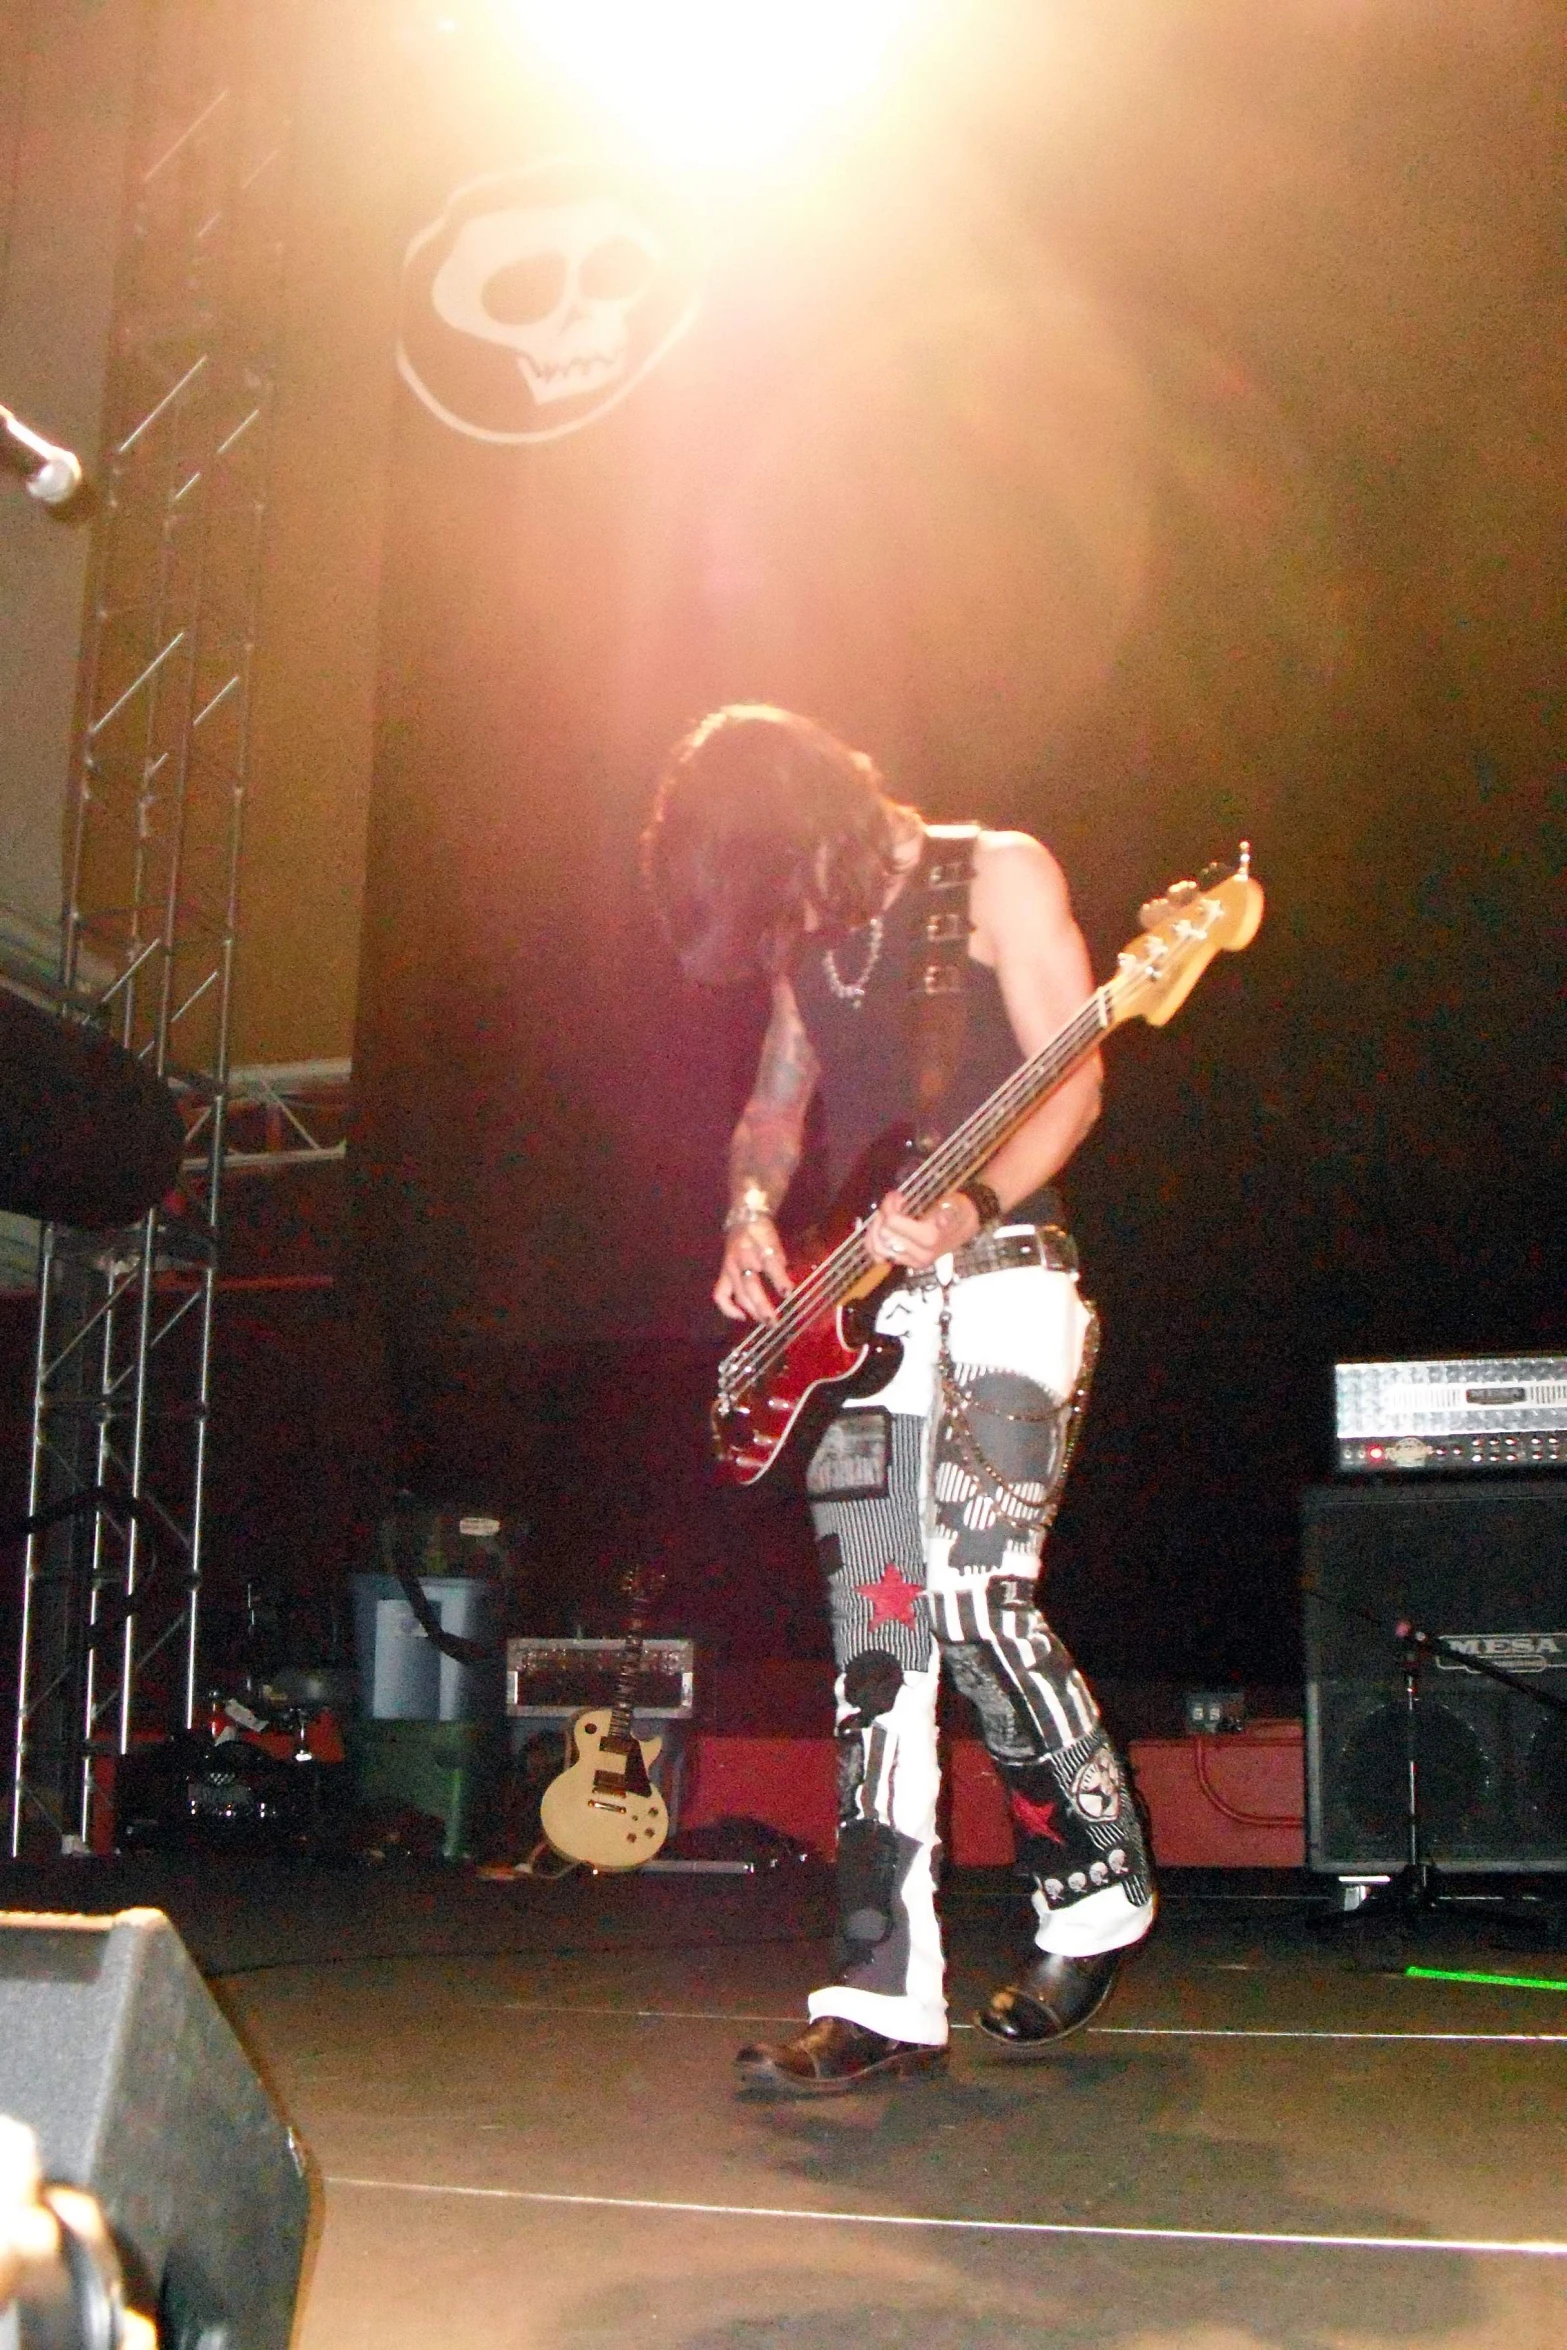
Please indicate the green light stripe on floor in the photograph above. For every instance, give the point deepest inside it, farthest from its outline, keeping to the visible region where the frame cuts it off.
(1447, 1974)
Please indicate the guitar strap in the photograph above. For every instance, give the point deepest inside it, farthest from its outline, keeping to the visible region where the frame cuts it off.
(938, 979)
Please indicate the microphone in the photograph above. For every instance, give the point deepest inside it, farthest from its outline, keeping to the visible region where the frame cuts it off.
(53, 476)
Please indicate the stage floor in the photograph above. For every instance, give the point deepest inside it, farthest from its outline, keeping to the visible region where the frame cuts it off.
(527, 2136)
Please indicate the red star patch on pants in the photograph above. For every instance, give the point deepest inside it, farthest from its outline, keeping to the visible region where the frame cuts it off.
(1036, 1819)
(892, 1599)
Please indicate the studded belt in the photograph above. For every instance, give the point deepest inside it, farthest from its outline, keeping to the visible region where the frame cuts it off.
(1004, 1249)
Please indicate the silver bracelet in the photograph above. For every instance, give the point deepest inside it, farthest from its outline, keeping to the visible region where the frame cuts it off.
(752, 1207)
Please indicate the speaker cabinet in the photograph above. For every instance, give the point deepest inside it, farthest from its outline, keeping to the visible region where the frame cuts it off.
(1484, 1562)
(113, 2051)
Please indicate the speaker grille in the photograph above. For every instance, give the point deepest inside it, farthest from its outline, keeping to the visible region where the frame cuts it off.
(1546, 1775)
(1455, 1779)
(1475, 1559)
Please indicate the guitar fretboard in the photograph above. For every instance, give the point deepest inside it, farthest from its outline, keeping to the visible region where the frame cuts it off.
(630, 1666)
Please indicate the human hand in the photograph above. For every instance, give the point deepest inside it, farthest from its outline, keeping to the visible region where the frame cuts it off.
(29, 2232)
(914, 1243)
(754, 1274)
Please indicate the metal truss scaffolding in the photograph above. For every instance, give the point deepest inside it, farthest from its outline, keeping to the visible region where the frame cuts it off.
(111, 1603)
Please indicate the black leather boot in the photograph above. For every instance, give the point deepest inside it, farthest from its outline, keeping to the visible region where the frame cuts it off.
(1049, 1998)
(830, 2056)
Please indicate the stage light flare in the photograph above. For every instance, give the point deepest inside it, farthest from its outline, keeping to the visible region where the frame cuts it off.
(718, 83)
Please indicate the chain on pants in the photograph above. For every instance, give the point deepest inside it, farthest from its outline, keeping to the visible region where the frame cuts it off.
(929, 1504)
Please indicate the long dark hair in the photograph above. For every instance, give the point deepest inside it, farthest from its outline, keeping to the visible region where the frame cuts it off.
(762, 817)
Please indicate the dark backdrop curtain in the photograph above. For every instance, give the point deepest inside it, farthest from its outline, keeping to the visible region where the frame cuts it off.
(1150, 442)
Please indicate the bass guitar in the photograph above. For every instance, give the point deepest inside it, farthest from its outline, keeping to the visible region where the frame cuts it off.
(603, 1810)
(821, 1345)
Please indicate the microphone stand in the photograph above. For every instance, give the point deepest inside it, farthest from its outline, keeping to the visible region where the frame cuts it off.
(1417, 1881)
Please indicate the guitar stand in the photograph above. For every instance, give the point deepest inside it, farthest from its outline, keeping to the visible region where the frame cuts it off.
(676, 1865)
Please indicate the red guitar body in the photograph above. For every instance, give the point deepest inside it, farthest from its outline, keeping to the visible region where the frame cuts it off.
(822, 1359)
(828, 1361)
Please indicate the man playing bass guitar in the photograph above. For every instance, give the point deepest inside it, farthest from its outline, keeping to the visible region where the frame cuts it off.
(912, 966)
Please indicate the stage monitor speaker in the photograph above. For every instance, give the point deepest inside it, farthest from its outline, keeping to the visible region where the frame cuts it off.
(113, 2051)
(1482, 1563)
(89, 1135)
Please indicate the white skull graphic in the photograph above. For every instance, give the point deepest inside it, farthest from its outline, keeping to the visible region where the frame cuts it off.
(1096, 1791)
(555, 284)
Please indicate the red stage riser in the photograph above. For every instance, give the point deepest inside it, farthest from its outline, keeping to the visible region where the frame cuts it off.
(1235, 1801)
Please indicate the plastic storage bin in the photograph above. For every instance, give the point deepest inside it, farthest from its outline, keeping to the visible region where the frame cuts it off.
(403, 1676)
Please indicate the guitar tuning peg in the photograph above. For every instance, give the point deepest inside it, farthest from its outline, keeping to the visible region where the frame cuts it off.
(1157, 910)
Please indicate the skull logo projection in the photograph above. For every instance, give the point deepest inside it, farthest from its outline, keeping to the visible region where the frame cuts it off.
(539, 299)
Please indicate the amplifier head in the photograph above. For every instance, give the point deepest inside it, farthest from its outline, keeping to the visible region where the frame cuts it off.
(552, 1677)
(1451, 1412)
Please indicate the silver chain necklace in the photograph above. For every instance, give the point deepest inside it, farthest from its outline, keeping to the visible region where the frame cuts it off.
(852, 991)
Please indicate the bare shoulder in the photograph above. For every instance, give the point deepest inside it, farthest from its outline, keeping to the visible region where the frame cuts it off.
(1016, 882)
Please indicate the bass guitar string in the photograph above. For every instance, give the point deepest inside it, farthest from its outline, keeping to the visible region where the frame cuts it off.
(832, 1280)
(970, 1144)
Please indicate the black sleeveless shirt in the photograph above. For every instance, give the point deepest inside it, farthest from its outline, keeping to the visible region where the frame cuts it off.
(865, 1047)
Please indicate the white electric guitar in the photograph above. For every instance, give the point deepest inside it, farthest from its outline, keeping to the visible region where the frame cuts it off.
(604, 1810)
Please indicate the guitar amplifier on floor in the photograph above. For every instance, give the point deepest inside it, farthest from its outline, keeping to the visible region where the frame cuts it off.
(1484, 1564)
(548, 1678)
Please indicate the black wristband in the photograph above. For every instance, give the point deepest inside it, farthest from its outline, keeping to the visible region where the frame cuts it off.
(986, 1203)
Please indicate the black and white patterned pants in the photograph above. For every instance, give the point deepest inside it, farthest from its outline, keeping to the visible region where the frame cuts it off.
(928, 1502)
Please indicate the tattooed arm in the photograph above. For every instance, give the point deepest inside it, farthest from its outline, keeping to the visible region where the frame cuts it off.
(763, 1155)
